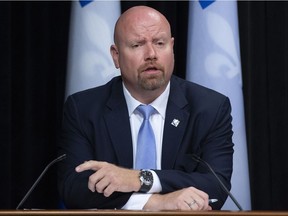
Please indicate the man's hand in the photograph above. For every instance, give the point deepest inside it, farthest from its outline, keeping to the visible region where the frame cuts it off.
(109, 178)
(185, 199)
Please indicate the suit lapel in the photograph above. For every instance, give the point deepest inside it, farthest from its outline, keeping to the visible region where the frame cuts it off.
(176, 121)
(118, 124)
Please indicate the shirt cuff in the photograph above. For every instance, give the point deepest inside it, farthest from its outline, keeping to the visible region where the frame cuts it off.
(156, 187)
(138, 200)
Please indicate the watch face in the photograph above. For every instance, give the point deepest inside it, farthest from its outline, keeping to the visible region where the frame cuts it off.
(146, 179)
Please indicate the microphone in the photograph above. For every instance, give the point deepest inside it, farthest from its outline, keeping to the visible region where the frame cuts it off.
(198, 159)
(60, 158)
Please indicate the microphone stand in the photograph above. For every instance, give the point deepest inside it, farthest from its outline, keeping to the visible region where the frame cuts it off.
(62, 157)
(198, 159)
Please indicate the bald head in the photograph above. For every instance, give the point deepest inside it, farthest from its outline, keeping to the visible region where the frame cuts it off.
(139, 16)
(143, 51)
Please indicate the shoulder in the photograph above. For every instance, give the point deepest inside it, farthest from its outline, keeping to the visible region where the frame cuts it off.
(202, 103)
(95, 97)
(99, 92)
(195, 92)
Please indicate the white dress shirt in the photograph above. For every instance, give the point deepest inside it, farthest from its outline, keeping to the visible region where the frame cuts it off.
(157, 120)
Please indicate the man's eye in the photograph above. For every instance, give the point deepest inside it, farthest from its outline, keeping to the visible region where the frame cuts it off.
(160, 43)
(135, 45)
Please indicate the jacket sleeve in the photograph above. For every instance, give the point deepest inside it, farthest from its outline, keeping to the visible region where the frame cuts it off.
(76, 142)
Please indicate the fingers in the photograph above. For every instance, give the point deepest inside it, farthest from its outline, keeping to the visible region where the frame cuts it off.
(97, 181)
(109, 178)
(102, 182)
(90, 165)
(197, 206)
(200, 200)
(186, 199)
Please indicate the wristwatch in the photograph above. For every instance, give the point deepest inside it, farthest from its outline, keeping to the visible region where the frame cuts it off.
(146, 180)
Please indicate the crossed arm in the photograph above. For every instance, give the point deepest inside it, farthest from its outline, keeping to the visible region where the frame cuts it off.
(109, 178)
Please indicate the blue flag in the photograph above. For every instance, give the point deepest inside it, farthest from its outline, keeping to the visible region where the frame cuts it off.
(84, 2)
(214, 61)
(205, 3)
(91, 35)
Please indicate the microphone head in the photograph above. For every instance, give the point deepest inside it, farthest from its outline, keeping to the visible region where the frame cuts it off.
(196, 158)
(61, 157)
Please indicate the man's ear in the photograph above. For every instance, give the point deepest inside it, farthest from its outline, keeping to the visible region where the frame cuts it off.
(115, 55)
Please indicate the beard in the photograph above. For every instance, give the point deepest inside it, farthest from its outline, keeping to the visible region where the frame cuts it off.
(151, 81)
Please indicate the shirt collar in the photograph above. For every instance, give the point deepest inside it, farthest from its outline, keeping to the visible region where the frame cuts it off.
(159, 103)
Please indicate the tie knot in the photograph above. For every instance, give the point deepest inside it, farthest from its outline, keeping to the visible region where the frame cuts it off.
(146, 110)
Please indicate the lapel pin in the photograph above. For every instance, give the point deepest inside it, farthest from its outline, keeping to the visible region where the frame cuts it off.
(175, 122)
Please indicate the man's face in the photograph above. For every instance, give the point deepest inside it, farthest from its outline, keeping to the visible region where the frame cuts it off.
(145, 53)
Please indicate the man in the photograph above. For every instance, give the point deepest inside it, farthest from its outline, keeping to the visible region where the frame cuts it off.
(100, 130)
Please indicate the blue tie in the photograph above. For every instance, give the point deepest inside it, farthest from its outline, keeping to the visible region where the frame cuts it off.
(146, 147)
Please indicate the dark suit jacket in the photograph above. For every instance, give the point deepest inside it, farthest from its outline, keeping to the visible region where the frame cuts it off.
(96, 127)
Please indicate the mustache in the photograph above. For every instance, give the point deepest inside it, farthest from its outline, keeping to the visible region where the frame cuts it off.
(150, 65)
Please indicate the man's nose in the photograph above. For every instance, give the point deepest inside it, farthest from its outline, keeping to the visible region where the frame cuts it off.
(151, 53)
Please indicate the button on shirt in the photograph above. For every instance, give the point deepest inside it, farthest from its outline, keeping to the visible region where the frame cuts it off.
(157, 120)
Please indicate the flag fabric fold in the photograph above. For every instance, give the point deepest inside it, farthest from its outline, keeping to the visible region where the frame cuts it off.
(91, 34)
(213, 60)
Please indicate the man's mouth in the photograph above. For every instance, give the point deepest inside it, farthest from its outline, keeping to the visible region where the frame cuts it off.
(151, 69)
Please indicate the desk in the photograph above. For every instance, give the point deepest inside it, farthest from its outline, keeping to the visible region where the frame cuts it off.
(134, 213)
